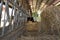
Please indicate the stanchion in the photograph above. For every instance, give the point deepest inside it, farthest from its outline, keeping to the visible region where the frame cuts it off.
(1, 5)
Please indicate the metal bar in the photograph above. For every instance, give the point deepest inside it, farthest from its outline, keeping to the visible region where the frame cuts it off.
(7, 9)
(17, 18)
(11, 18)
(7, 29)
(3, 26)
(0, 20)
(1, 5)
(14, 13)
(0, 11)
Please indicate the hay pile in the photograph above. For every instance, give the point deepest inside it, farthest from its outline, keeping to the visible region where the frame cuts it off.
(31, 26)
(50, 20)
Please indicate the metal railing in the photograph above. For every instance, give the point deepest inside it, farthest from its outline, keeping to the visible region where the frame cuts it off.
(15, 21)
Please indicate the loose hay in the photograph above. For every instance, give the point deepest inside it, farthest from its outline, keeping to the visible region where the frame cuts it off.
(32, 26)
(50, 20)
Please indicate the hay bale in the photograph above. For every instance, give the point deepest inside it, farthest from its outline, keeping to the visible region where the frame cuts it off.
(50, 20)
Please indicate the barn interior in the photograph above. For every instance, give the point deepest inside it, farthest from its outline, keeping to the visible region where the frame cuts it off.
(29, 19)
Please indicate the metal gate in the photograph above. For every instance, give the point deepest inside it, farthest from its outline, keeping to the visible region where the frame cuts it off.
(15, 20)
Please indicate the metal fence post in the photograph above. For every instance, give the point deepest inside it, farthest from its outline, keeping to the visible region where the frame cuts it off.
(1, 11)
